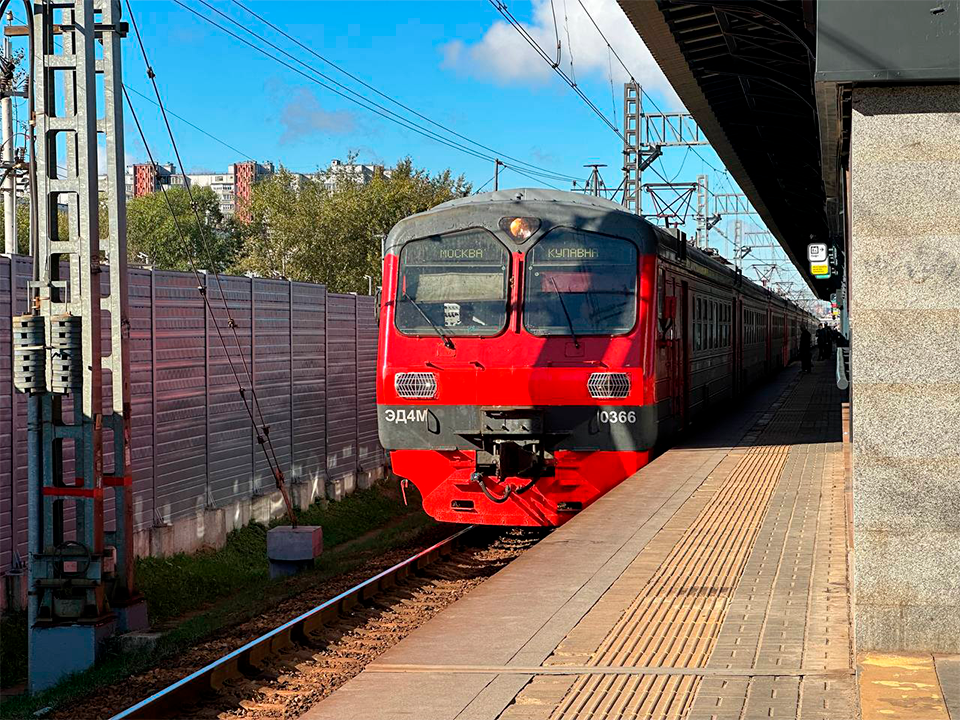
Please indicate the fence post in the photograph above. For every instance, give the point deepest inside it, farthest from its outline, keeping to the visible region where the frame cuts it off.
(326, 393)
(293, 426)
(153, 391)
(208, 500)
(358, 467)
(253, 384)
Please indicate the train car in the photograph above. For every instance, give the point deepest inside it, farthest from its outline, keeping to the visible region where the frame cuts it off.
(537, 347)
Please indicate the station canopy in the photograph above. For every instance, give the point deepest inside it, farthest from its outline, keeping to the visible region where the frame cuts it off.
(745, 70)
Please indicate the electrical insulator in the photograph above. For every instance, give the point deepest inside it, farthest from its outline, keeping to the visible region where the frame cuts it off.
(29, 373)
(66, 354)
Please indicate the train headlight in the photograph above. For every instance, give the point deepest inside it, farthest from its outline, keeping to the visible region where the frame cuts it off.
(520, 228)
(604, 385)
(416, 385)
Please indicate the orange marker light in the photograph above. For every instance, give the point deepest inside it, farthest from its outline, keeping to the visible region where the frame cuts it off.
(520, 228)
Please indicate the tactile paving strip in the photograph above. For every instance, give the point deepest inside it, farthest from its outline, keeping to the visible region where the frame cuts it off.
(787, 523)
(675, 620)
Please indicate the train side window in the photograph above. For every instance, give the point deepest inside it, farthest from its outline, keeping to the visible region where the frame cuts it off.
(697, 325)
(713, 326)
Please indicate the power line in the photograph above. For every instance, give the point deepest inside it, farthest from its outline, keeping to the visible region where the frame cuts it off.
(195, 127)
(263, 430)
(480, 189)
(363, 102)
(393, 100)
(566, 27)
(634, 81)
(531, 41)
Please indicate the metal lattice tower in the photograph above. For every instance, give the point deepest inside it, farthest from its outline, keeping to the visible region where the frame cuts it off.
(632, 109)
(703, 211)
(644, 137)
(81, 587)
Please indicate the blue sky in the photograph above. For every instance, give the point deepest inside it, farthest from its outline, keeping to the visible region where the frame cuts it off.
(454, 61)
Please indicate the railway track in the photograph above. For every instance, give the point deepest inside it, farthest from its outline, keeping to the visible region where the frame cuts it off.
(283, 672)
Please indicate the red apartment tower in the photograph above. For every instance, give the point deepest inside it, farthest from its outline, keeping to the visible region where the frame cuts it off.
(245, 174)
(145, 179)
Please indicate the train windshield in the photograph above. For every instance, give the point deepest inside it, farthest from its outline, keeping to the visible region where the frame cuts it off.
(580, 283)
(453, 284)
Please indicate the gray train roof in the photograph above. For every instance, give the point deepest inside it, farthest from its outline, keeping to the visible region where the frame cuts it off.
(553, 207)
(598, 214)
(532, 195)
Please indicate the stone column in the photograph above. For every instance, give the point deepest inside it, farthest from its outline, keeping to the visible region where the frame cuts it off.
(905, 318)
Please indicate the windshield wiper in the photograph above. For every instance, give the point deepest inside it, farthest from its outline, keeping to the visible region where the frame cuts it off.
(446, 341)
(563, 305)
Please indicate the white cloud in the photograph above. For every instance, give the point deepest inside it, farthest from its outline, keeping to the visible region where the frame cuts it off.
(502, 55)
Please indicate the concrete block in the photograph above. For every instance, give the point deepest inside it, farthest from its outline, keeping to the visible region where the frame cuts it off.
(293, 549)
(132, 617)
(878, 627)
(138, 642)
(932, 628)
(62, 650)
(894, 420)
(304, 542)
(921, 351)
(925, 267)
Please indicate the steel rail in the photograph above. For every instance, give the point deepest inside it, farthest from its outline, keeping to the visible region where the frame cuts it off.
(297, 631)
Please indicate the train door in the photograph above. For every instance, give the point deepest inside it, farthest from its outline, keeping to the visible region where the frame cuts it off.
(736, 330)
(682, 290)
(671, 334)
(768, 331)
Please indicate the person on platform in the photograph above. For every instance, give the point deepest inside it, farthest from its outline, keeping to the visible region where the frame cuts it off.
(822, 340)
(805, 360)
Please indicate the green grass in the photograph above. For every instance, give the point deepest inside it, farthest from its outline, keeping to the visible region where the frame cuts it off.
(183, 583)
(221, 588)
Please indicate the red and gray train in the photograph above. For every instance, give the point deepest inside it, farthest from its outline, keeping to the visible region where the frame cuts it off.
(538, 347)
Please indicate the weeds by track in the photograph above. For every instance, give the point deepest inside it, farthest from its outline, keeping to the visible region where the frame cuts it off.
(287, 682)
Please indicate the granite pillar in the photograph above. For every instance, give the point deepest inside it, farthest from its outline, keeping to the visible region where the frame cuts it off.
(905, 321)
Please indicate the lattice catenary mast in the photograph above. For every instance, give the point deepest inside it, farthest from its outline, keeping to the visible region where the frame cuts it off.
(81, 587)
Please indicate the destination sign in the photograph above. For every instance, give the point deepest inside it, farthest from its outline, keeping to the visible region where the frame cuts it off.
(468, 248)
(565, 246)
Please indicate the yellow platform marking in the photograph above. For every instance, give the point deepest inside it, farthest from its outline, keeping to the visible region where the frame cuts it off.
(900, 687)
(675, 619)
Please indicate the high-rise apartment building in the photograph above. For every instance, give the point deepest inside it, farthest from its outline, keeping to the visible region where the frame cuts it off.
(234, 188)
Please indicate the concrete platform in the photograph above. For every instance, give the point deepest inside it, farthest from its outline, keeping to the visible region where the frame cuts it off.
(714, 583)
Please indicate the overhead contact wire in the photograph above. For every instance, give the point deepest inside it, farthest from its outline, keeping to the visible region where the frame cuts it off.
(263, 430)
(531, 41)
(363, 102)
(372, 88)
(642, 90)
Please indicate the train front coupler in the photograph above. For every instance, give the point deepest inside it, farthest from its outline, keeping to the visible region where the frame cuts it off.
(512, 447)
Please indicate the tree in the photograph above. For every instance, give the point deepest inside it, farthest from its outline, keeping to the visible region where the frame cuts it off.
(153, 237)
(23, 226)
(302, 231)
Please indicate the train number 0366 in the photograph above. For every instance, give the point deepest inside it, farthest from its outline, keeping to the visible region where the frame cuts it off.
(617, 416)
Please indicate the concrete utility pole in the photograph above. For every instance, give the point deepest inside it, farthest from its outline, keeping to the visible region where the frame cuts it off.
(81, 590)
(9, 181)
